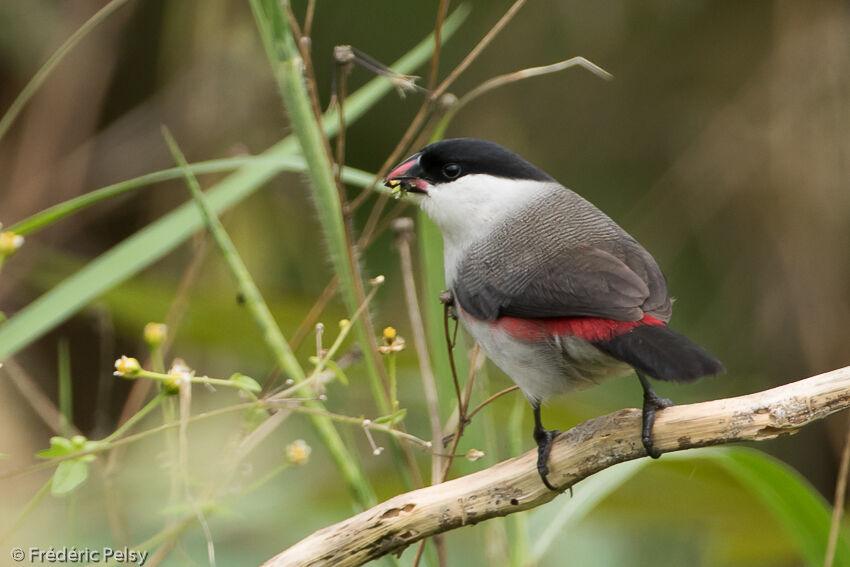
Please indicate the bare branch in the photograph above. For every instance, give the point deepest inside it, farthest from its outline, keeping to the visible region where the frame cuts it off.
(514, 485)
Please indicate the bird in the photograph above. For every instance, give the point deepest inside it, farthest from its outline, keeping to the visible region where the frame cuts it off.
(555, 292)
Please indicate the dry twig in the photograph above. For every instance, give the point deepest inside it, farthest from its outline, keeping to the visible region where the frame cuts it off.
(514, 485)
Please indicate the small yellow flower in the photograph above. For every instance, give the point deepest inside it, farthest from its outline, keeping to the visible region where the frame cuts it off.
(393, 342)
(298, 452)
(155, 333)
(344, 323)
(10, 242)
(389, 335)
(127, 367)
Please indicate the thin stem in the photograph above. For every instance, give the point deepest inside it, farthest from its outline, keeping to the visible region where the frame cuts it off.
(435, 57)
(308, 18)
(309, 73)
(138, 416)
(476, 51)
(37, 400)
(33, 502)
(341, 70)
(44, 71)
(344, 332)
(509, 78)
(313, 315)
(404, 231)
(100, 448)
(450, 351)
(391, 363)
(838, 504)
(462, 420)
(498, 394)
(368, 424)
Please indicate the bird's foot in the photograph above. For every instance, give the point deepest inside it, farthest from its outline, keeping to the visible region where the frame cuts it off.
(544, 438)
(651, 403)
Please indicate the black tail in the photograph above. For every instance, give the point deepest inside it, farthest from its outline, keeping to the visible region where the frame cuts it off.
(662, 353)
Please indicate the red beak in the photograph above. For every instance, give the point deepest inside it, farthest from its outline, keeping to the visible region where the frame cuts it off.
(408, 174)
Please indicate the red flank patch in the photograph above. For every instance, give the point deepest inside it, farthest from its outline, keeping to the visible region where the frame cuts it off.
(592, 329)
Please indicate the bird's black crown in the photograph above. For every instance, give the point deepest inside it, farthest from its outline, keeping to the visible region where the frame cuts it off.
(451, 159)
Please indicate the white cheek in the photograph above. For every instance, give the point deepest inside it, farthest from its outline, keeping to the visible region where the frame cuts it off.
(466, 209)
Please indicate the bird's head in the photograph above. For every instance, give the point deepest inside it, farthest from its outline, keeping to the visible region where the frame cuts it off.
(467, 182)
(449, 164)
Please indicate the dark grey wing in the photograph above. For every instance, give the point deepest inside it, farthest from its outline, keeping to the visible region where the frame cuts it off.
(560, 257)
(576, 282)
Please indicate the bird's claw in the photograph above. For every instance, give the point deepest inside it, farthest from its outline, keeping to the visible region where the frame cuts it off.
(651, 403)
(544, 439)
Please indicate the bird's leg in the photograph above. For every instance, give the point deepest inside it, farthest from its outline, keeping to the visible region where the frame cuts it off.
(544, 438)
(651, 403)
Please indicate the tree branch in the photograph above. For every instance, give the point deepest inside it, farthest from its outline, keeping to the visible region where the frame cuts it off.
(513, 485)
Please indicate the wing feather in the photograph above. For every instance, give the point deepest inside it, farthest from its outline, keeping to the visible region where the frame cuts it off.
(568, 260)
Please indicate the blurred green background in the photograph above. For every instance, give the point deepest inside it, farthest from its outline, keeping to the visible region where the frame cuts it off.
(722, 144)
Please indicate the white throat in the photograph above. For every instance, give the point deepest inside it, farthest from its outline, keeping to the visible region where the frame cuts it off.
(466, 210)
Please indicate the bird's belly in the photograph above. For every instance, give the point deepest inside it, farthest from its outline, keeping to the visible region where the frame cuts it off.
(544, 367)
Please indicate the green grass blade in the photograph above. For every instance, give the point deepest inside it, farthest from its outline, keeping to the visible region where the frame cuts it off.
(796, 505)
(59, 211)
(349, 467)
(45, 70)
(162, 236)
(287, 65)
(785, 494)
(123, 260)
(254, 301)
(588, 493)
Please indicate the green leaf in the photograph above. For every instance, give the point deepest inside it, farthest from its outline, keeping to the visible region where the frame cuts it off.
(246, 383)
(391, 419)
(588, 493)
(64, 209)
(68, 476)
(59, 447)
(795, 503)
(785, 495)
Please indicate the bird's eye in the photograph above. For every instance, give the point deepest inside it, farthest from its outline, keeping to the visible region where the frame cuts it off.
(451, 170)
